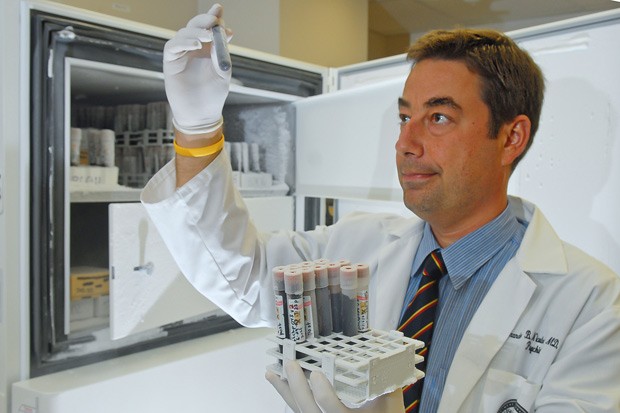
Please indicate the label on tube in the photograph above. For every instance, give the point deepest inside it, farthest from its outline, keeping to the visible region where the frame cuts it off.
(281, 321)
(308, 318)
(362, 311)
(296, 318)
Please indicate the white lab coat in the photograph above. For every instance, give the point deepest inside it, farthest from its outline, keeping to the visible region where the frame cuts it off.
(546, 336)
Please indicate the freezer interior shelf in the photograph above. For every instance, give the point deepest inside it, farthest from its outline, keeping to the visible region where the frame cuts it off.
(118, 194)
(240, 95)
(108, 84)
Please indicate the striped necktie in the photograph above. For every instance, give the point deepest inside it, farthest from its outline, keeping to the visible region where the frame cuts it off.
(419, 318)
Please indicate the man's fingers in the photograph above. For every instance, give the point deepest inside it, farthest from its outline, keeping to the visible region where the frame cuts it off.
(300, 388)
(206, 20)
(282, 388)
(325, 395)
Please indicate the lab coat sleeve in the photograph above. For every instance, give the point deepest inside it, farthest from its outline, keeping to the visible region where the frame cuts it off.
(206, 226)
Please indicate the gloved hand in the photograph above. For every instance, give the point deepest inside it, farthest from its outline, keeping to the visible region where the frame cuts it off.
(195, 85)
(320, 397)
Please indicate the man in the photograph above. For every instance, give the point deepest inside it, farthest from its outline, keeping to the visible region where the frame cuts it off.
(524, 322)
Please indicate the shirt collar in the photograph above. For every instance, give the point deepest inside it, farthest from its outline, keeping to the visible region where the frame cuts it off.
(468, 254)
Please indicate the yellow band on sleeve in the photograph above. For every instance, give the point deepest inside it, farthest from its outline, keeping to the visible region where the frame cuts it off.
(199, 152)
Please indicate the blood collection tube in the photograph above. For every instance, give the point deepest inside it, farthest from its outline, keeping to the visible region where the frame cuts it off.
(294, 287)
(221, 48)
(348, 283)
(335, 296)
(321, 261)
(281, 307)
(323, 303)
(363, 278)
(311, 317)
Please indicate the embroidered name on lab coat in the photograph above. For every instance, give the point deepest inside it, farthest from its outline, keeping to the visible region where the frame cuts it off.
(534, 342)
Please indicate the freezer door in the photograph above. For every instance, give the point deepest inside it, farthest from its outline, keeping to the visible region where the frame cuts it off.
(345, 143)
(571, 170)
(371, 72)
(55, 40)
(147, 289)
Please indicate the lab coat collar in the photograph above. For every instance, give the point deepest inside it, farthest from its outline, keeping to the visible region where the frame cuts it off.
(544, 252)
(541, 251)
(412, 226)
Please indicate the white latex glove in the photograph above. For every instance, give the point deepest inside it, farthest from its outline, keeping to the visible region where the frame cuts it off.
(319, 396)
(195, 85)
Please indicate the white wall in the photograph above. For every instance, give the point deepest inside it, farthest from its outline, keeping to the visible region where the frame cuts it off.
(14, 348)
(324, 32)
(256, 24)
(321, 32)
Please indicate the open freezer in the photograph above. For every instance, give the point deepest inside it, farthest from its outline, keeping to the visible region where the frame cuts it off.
(102, 282)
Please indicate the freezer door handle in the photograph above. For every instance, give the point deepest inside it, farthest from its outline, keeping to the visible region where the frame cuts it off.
(146, 268)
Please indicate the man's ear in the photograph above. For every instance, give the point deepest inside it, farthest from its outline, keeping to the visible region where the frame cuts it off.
(517, 135)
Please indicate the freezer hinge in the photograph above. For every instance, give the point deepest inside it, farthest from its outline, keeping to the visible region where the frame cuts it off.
(332, 80)
(67, 34)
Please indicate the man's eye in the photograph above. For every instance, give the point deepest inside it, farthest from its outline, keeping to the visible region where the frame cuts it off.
(404, 119)
(439, 118)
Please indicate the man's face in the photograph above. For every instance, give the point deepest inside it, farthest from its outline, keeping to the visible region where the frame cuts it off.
(449, 168)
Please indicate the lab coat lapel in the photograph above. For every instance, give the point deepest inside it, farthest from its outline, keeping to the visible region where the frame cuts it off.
(488, 330)
(393, 271)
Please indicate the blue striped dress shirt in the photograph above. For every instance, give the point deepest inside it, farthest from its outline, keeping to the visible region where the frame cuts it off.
(473, 264)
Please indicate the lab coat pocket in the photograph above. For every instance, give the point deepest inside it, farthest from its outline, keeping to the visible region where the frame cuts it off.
(508, 392)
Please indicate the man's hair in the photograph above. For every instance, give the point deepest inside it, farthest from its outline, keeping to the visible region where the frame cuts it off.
(512, 83)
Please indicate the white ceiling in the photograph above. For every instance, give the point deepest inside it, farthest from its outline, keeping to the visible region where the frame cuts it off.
(392, 17)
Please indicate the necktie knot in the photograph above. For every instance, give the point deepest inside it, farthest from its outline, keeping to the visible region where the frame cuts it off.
(434, 266)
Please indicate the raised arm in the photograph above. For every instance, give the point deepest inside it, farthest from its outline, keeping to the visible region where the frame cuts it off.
(196, 88)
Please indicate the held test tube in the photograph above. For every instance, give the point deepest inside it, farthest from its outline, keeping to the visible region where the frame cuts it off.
(293, 285)
(323, 304)
(310, 305)
(335, 296)
(221, 47)
(348, 283)
(363, 275)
